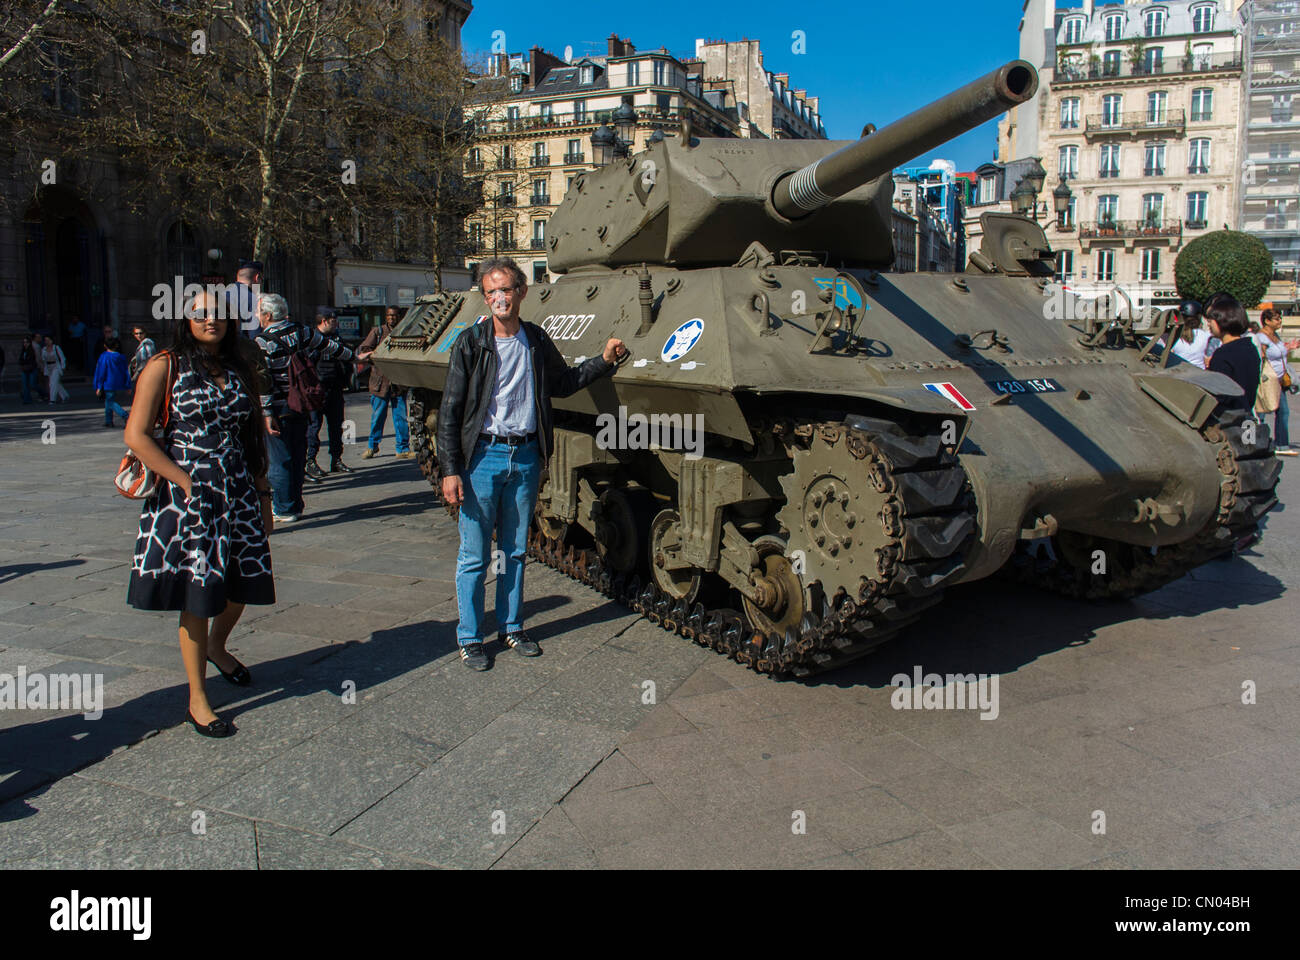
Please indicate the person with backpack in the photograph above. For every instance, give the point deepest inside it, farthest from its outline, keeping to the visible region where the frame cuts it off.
(291, 350)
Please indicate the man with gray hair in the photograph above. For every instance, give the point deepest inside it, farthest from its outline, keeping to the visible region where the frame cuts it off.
(286, 443)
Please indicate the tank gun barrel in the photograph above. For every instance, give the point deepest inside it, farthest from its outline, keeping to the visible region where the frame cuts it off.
(817, 184)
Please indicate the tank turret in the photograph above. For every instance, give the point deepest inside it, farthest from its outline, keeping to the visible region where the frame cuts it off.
(700, 202)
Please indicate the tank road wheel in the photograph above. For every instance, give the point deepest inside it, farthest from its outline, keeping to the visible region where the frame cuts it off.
(423, 417)
(779, 605)
(616, 531)
(551, 527)
(673, 576)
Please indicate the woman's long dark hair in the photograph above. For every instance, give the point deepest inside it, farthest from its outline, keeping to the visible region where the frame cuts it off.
(252, 434)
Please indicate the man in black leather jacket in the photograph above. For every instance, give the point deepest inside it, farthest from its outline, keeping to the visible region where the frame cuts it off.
(494, 436)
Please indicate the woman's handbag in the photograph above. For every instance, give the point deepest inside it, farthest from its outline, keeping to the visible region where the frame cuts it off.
(134, 479)
(1269, 396)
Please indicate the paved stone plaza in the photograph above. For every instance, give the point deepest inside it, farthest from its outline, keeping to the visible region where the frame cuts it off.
(1134, 710)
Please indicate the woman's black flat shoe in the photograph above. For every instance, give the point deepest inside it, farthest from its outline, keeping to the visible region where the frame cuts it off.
(240, 678)
(217, 728)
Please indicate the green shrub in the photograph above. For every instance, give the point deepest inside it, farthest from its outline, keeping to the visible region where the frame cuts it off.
(1225, 260)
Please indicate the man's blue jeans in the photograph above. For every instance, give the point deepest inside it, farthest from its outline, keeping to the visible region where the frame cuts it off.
(29, 384)
(111, 406)
(287, 464)
(500, 494)
(379, 415)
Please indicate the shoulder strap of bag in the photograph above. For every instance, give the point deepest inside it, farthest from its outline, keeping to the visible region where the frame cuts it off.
(164, 415)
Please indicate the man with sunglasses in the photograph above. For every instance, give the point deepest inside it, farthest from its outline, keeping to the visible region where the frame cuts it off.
(494, 435)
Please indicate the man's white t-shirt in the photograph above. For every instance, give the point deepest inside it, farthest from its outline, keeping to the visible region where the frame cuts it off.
(512, 410)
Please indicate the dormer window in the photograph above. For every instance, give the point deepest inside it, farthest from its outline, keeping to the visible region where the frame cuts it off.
(516, 84)
(1154, 23)
(1114, 27)
(1203, 18)
(1074, 30)
(585, 73)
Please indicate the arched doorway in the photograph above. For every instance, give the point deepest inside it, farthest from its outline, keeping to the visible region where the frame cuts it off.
(67, 272)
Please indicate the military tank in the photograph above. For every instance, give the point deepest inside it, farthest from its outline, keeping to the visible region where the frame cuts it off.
(865, 439)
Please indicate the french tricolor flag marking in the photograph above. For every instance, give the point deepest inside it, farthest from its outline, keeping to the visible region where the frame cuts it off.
(950, 393)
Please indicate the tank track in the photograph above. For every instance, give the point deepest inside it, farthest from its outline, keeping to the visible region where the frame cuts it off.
(1249, 472)
(417, 410)
(923, 482)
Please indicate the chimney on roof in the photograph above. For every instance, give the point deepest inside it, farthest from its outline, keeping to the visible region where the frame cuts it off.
(540, 63)
(620, 48)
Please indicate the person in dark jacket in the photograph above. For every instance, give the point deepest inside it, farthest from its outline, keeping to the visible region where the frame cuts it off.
(112, 377)
(27, 367)
(385, 395)
(333, 376)
(494, 435)
(1239, 356)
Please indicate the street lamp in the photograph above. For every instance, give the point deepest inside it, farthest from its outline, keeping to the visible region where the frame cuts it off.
(625, 122)
(608, 145)
(1061, 197)
(1035, 177)
(603, 145)
(1023, 199)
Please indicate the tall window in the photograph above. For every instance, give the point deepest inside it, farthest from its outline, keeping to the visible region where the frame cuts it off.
(1203, 19)
(507, 156)
(507, 193)
(516, 84)
(183, 252)
(547, 110)
(1198, 156)
(1150, 263)
(1070, 113)
(634, 73)
(1153, 209)
(1157, 106)
(1153, 61)
(539, 152)
(506, 233)
(1110, 63)
(585, 73)
(1105, 264)
(512, 114)
(1201, 56)
(1114, 27)
(988, 189)
(1068, 162)
(1112, 110)
(573, 152)
(1074, 30)
(1275, 215)
(1109, 161)
(660, 71)
(1107, 208)
(540, 192)
(1154, 165)
(1064, 265)
(539, 234)
(1202, 104)
(475, 161)
(1154, 23)
(1197, 207)
(1281, 108)
(580, 111)
(1067, 217)
(475, 235)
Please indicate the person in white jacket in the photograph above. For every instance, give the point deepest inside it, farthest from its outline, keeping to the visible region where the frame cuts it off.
(1273, 349)
(55, 363)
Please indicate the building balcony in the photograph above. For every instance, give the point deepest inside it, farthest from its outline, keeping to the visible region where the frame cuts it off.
(1137, 123)
(574, 157)
(1196, 224)
(506, 163)
(538, 243)
(1198, 168)
(505, 201)
(474, 166)
(539, 160)
(540, 200)
(1079, 72)
(1153, 171)
(1130, 229)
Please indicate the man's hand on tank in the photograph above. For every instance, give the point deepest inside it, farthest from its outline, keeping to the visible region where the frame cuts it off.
(614, 350)
(453, 494)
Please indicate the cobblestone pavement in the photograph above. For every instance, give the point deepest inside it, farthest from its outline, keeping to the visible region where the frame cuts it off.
(1132, 713)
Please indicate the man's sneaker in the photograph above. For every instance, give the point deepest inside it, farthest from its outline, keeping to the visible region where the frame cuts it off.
(405, 455)
(521, 643)
(370, 453)
(338, 466)
(314, 472)
(473, 656)
(287, 518)
(1288, 451)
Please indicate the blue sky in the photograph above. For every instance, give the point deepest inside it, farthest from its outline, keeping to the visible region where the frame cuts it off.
(867, 61)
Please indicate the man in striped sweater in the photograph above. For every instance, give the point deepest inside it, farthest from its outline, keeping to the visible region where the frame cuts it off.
(286, 443)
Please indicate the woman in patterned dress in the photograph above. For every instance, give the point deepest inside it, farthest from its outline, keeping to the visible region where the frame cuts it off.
(203, 547)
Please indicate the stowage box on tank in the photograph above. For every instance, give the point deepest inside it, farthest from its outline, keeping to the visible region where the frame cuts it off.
(867, 438)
